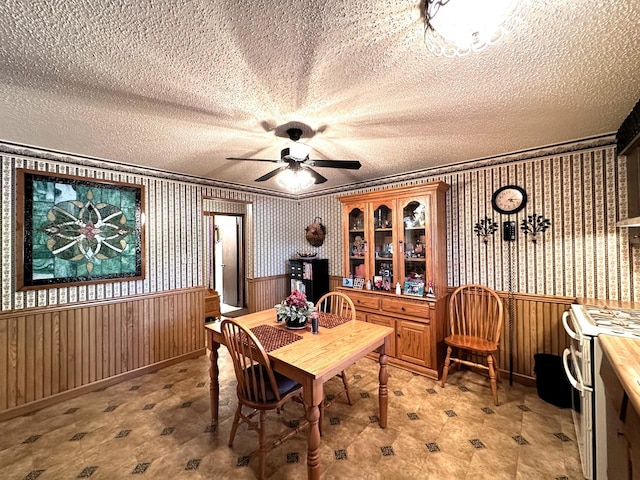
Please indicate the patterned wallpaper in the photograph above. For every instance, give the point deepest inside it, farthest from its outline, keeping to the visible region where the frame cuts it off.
(174, 225)
(582, 192)
(581, 188)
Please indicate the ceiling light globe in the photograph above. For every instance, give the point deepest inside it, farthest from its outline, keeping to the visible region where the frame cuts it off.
(295, 180)
(459, 27)
(299, 150)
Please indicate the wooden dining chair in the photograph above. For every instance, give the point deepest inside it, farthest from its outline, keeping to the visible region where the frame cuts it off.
(260, 388)
(475, 320)
(339, 304)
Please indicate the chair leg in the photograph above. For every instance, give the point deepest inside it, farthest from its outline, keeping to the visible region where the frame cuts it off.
(445, 370)
(497, 366)
(345, 382)
(234, 426)
(262, 447)
(492, 379)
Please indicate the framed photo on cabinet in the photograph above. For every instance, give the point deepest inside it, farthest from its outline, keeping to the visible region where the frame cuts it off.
(347, 282)
(415, 288)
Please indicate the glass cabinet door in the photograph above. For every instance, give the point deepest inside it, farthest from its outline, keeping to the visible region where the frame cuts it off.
(416, 241)
(383, 247)
(357, 243)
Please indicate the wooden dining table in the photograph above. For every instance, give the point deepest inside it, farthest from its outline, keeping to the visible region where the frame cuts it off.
(312, 360)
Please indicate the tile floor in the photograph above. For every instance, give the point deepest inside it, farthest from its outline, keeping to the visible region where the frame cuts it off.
(157, 426)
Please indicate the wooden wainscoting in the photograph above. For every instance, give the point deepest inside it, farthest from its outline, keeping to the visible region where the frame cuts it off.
(54, 353)
(265, 292)
(537, 329)
(334, 283)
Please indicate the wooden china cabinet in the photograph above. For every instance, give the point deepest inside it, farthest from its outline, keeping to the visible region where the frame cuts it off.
(398, 236)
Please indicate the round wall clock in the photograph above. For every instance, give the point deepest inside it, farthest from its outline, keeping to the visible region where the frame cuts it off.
(509, 199)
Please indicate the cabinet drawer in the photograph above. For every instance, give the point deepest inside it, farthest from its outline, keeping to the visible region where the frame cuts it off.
(406, 307)
(364, 301)
(360, 315)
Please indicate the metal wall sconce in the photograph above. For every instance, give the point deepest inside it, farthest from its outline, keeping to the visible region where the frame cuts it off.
(534, 224)
(484, 228)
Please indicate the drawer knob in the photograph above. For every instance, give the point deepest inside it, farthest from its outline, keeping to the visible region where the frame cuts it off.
(398, 335)
(402, 308)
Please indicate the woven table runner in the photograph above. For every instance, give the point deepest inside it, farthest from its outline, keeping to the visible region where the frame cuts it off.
(330, 320)
(273, 338)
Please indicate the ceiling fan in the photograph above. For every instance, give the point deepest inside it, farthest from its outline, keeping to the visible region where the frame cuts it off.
(296, 159)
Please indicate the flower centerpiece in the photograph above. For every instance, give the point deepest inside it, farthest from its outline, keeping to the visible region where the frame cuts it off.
(294, 310)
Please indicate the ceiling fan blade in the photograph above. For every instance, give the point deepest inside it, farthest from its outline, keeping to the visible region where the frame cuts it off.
(254, 159)
(272, 174)
(317, 177)
(348, 164)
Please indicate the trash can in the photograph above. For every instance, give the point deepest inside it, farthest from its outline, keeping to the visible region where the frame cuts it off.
(551, 380)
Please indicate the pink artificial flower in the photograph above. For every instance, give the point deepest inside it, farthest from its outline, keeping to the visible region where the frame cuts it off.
(297, 299)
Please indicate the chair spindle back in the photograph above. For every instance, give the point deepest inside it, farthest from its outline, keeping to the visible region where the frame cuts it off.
(250, 363)
(476, 310)
(337, 303)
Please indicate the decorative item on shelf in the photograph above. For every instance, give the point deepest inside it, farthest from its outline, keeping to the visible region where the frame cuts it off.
(418, 216)
(316, 232)
(418, 250)
(414, 287)
(534, 224)
(347, 282)
(377, 282)
(294, 310)
(307, 254)
(358, 223)
(358, 246)
(358, 283)
(378, 220)
(484, 228)
(398, 288)
(430, 293)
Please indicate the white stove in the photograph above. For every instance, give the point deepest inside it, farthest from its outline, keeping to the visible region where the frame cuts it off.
(582, 359)
(615, 321)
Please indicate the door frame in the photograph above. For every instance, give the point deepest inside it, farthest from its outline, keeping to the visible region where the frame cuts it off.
(227, 207)
(240, 262)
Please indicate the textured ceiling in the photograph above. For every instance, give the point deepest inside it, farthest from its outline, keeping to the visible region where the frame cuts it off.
(179, 85)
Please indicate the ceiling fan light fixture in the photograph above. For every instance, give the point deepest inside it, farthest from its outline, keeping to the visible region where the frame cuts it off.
(459, 27)
(299, 150)
(295, 180)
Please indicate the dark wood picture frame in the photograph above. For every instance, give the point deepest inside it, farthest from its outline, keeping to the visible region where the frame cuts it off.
(76, 230)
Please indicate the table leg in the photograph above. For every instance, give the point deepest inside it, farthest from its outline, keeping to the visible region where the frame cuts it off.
(214, 384)
(383, 395)
(313, 395)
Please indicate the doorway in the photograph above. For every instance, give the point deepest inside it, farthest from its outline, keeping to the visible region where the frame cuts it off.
(229, 262)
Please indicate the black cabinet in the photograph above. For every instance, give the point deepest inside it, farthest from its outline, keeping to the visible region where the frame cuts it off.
(310, 276)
